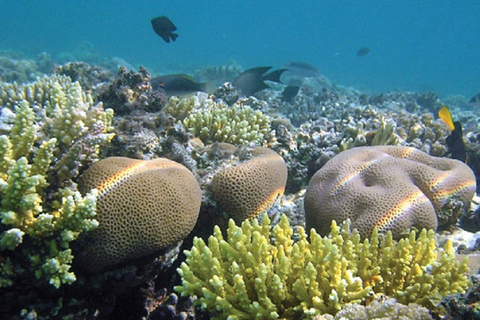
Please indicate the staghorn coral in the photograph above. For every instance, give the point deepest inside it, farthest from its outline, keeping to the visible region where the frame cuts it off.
(253, 187)
(213, 121)
(260, 272)
(53, 132)
(388, 187)
(143, 206)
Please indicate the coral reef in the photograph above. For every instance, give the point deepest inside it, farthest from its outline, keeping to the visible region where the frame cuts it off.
(130, 91)
(253, 187)
(16, 67)
(90, 77)
(53, 131)
(465, 306)
(259, 271)
(387, 187)
(143, 206)
(213, 121)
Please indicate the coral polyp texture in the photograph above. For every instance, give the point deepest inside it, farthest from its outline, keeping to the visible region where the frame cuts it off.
(255, 186)
(386, 187)
(143, 206)
(259, 272)
(213, 121)
(49, 129)
(380, 309)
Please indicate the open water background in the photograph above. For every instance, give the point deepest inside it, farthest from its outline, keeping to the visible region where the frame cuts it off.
(414, 45)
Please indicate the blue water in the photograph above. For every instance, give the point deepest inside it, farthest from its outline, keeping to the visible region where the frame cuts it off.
(414, 45)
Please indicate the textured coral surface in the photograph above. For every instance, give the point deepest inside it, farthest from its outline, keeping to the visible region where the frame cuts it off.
(50, 130)
(253, 187)
(386, 187)
(259, 271)
(143, 206)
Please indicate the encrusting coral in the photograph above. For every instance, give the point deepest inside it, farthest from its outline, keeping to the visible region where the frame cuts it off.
(260, 272)
(386, 187)
(380, 309)
(143, 206)
(253, 187)
(52, 130)
(213, 121)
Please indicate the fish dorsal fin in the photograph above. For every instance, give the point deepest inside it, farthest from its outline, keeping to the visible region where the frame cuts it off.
(184, 76)
(257, 70)
(446, 116)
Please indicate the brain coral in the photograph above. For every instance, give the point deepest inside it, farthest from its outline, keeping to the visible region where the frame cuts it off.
(142, 207)
(387, 187)
(254, 186)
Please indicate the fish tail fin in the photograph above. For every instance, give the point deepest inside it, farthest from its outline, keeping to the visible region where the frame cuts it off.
(208, 87)
(274, 75)
(446, 116)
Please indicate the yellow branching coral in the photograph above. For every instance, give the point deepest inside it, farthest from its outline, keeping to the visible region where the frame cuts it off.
(217, 122)
(53, 129)
(260, 272)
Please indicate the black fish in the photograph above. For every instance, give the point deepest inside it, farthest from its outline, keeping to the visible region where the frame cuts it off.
(164, 28)
(178, 84)
(455, 143)
(475, 100)
(252, 80)
(289, 93)
(301, 69)
(455, 139)
(363, 51)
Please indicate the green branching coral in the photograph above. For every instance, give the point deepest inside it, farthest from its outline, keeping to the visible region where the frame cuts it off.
(260, 272)
(217, 122)
(54, 130)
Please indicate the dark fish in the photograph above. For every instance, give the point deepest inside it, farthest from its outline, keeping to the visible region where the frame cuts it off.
(289, 93)
(178, 84)
(475, 101)
(363, 51)
(253, 80)
(164, 28)
(301, 69)
(454, 140)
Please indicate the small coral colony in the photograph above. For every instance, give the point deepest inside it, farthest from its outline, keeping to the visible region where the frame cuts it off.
(231, 194)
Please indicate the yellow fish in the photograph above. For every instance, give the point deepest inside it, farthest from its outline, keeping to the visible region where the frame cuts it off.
(446, 116)
(455, 139)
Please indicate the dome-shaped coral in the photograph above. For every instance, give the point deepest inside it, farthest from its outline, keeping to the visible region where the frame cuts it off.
(142, 207)
(387, 187)
(253, 187)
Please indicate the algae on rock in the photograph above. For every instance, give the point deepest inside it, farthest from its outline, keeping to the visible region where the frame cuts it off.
(53, 131)
(259, 271)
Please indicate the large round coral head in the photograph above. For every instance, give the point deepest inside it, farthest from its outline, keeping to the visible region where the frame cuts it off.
(253, 187)
(386, 187)
(143, 206)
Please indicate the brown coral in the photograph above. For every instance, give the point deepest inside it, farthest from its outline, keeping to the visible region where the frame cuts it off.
(388, 187)
(253, 187)
(143, 206)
